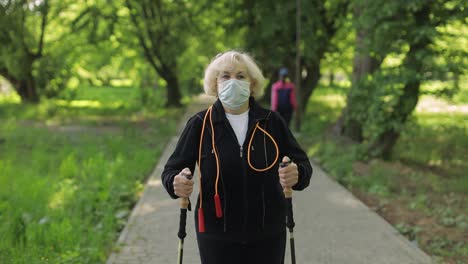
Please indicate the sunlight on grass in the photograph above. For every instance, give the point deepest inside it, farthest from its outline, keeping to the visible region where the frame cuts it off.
(88, 104)
(333, 99)
(66, 191)
(312, 151)
(80, 103)
(11, 98)
(431, 104)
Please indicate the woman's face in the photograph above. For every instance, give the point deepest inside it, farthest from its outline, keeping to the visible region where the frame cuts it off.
(235, 96)
(237, 72)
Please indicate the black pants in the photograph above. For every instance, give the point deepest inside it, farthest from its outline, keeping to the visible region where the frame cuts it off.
(287, 115)
(215, 251)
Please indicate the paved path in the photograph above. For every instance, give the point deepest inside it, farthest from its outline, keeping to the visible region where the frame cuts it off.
(332, 226)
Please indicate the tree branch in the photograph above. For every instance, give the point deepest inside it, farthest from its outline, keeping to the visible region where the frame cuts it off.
(22, 38)
(141, 39)
(45, 12)
(5, 73)
(156, 38)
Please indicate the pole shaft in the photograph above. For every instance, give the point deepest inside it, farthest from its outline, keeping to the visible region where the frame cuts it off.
(184, 204)
(181, 251)
(293, 247)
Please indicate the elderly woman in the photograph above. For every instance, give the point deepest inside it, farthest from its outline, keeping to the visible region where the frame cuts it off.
(240, 216)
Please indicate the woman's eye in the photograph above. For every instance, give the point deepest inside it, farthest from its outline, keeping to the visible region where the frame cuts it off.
(240, 77)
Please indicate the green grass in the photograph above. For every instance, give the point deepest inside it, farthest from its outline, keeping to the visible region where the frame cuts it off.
(87, 104)
(442, 143)
(65, 193)
(426, 178)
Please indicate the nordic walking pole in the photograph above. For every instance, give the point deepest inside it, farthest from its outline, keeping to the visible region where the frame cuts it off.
(289, 214)
(184, 205)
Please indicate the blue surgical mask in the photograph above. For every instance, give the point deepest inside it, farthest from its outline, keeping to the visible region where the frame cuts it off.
(234, 93)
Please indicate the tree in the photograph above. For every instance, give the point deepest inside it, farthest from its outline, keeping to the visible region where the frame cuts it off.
(322, 22)
(364, 62)
(93, 27)
(159, 27)
(22, 37)
(384, 92)
(270, 34)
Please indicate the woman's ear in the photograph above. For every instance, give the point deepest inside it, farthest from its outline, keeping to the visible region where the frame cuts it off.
(216, 88)
(252, 87)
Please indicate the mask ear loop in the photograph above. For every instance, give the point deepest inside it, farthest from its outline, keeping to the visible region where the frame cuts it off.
(250, 143)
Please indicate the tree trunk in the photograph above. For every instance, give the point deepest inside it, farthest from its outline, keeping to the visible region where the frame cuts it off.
(407, 101)
(363, 64)
(25, 87)
(309, 83)
(172, 88)
(173, 95)
(147, 18)
(383, 145)
(27, 90)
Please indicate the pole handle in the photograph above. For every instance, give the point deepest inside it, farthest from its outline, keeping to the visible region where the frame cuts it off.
(184, 202)
(287, 190)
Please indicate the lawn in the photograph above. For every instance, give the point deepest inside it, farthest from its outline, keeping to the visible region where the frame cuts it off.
(423, 190)
(71, 170)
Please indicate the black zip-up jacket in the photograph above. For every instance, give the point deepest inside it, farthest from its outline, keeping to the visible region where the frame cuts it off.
(253, 202)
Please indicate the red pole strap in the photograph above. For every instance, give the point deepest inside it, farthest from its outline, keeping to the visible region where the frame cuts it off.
(201, 221)
(219, 210)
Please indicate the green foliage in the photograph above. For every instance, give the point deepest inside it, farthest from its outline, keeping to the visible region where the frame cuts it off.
(444, 247)
(338, 59)
(16, 36)
(23, 59)
(66, 190)
(408, 230)
(340, 167)
(52, 74)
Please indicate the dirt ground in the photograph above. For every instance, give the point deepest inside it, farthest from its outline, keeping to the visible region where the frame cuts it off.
(420, 226)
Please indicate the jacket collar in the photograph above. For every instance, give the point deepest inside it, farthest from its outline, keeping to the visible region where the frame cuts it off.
(256, 112)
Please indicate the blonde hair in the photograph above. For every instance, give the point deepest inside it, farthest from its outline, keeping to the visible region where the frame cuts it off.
(233, 59)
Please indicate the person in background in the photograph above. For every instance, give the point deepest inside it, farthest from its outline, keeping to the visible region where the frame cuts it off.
(283, 96)
(238, 145)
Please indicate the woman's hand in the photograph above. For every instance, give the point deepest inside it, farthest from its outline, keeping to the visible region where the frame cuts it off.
(288, 175)
(183, 184)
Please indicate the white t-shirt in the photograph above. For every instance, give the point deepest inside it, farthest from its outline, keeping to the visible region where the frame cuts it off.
(239, 124)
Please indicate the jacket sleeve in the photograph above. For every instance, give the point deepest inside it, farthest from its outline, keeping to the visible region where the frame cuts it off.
(184, 155)
(290, 147)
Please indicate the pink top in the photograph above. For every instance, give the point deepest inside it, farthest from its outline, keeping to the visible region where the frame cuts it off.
(274, 94)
